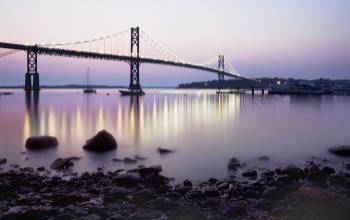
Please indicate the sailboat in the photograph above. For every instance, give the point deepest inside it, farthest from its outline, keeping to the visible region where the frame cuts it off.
(88, 89)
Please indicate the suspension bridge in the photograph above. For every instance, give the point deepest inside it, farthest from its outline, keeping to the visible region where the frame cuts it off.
(113, 47)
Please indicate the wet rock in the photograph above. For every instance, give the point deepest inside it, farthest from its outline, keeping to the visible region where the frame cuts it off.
(187, 183)
(156, 180)
(212, 180)
(3, 161)
(293, 171)
(250, 174)
(102, 141)
(117, 160)
(63, 163)
(233, 164)
(144, 194)
(128, 179)
(41, 142)
(340, 150)
(164, 150)
(145, 171)
(139, 158)
(339, 179)
(129, 160)
(264, 158)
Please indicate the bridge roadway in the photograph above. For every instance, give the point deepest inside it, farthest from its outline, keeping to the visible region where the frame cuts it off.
(92, 55)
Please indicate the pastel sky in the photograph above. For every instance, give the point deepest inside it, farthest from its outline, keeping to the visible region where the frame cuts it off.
(299, 38)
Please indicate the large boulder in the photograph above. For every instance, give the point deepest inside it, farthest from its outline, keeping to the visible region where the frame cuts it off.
(340, 150)
(102, 141)
(41, 142)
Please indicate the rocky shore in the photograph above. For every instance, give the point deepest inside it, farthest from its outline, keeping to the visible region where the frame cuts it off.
(314, 191)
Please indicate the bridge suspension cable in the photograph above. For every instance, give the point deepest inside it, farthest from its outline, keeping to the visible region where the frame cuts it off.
(4, 54)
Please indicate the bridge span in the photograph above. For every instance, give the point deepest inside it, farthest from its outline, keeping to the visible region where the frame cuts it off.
(32, 82)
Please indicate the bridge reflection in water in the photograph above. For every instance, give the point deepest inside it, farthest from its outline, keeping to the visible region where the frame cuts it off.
(135, 121)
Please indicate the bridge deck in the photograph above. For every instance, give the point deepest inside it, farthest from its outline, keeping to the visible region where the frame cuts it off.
(92, 55)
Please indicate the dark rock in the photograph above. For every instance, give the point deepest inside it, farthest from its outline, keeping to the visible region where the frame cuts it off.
(63, 163)
(164, 150)
(138, 157)
(212, 180)
(102, 141)
(340, 150)
(145, 171)
(250, 174)
(272, 193)
(117, 160)
(187, 183)
(41, 142)
(327, 171)
(144, 194)
(129, 160)
(156, 180)
(339, 179)
(3, 161)
(128, 179)
(293, 171)
(264, 158)
(233, 164)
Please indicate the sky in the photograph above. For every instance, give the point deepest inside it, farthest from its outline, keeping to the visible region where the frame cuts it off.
(300, 38)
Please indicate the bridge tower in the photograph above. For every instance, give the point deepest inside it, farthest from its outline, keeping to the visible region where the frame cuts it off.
(32, 82)
(135, 61)
(221, 68)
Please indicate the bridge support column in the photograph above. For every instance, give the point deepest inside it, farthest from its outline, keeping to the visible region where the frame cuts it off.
(221, 68)
(134, 75)
(32, 76)
(134, 84)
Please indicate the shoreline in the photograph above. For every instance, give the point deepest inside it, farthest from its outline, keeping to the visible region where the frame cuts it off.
(315, 191)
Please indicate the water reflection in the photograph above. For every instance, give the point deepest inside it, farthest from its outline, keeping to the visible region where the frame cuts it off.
(31, 118)
(203, 127)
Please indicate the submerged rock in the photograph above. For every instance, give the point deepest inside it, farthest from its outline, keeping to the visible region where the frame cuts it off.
(233, 164)
(164, 150)
(3, 161)
(129, 160)
(62, 163)
(102, 141)
(340, 150)
(41, 142)
(293, 171)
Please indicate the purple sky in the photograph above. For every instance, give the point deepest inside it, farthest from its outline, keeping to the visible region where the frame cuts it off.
(304, 39)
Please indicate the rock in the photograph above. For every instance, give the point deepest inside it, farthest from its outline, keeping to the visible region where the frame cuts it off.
(164, 150)
(138, 157)
(327, 171)
(264, 158)
(41, 169)
(63, 163)
(102, 141)
(233, 164)
(41, 142)
(3, 161)
(187, 183)
(272, 193)
(144, 194)
(212, 180)
(145, 171)
(117, 160)
(129, 160)
(340, 150)
(156, 180)
(293, 171)
(128, 179)
(250, 174)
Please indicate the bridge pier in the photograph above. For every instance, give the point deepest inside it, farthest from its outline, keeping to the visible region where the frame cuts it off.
(221, 77)
(134, 85)
(32, 82)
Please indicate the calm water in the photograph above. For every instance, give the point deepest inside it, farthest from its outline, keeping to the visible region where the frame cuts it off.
(204, 129)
